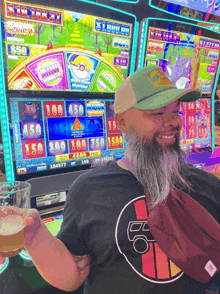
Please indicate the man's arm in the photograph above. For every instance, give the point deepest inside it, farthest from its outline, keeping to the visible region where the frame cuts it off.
(55, 263)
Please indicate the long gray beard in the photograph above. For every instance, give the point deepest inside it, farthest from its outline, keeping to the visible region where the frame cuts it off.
(157, 170)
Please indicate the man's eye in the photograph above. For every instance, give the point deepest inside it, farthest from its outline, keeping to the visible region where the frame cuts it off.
(159, 113)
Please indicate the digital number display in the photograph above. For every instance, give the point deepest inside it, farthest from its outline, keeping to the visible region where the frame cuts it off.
(33, 149)
(115, 142)
(78, 145)
(18, 50)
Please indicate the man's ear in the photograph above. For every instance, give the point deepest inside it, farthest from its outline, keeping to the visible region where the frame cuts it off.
(121, 122)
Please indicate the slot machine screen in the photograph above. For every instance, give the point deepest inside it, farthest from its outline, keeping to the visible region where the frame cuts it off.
(56, 134)
(186, 54)
(51, 49)
(1, 141)
(53, 223)
(190, 59)
(207, 11)
(196, 129)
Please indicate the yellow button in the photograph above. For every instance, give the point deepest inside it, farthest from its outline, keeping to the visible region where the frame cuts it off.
(94, 153)
(63, 157)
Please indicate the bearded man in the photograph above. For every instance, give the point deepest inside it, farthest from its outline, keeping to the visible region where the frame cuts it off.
(152, 132)
(104, 239)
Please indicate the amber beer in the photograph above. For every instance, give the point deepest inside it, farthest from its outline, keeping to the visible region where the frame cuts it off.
(12, 229)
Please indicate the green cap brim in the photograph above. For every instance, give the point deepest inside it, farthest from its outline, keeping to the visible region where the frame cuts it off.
(168, 96)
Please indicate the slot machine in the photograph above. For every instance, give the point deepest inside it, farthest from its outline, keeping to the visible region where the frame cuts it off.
(60, 67)
(189, 56)
(207, 12)
(2, 161)
(217, 115)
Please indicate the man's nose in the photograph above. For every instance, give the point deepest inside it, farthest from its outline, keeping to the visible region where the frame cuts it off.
(173, 120)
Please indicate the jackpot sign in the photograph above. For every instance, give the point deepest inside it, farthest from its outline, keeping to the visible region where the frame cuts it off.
(109, 27)
(205, 43)
(35, 13)
(162, 35)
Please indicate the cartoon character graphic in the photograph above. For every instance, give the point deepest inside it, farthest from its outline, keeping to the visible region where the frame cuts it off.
(81, 67)
(30, 110)
(179, 72)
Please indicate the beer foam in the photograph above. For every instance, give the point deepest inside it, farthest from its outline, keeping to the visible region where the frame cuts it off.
(11, 224)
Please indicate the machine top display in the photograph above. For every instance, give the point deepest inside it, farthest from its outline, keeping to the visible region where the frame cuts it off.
(199, 10)
(51, 49)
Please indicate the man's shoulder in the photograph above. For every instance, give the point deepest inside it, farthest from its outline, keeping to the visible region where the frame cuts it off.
(204, 189)
(99, 175)
(203, 176)
(109, 167)
(204, 183)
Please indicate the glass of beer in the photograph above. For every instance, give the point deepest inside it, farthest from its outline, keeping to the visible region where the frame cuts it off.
(12, 226)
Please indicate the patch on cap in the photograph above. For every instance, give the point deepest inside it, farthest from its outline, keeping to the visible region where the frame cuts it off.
(158, 78)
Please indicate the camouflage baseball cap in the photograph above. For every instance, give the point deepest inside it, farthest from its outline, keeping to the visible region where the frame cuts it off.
(149, 88)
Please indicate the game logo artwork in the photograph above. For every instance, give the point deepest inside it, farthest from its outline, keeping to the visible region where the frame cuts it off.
(53, 49)
(206, 6)
(189, 61)
(191, 13)
(55, 134)
(203, 10)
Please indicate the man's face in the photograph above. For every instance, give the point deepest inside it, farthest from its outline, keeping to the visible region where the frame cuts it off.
(163, 124)
(152, 143)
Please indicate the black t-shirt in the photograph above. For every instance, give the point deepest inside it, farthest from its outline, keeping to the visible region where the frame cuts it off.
(105, 217)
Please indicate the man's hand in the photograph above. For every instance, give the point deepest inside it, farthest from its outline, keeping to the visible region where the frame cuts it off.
(218, 93)
(2, 260)
(31, 219)
(33, 223)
